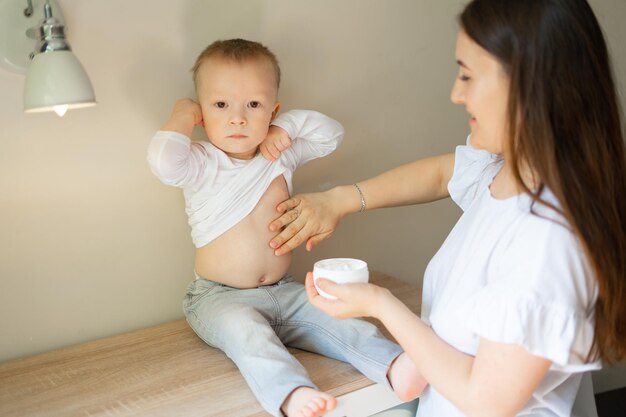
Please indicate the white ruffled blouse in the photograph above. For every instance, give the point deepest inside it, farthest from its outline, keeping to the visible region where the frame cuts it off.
(511, 276)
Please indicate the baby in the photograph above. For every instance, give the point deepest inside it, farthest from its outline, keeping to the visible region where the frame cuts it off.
(241, 300)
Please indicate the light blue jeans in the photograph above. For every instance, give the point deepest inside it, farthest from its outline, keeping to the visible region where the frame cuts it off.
(253, 326)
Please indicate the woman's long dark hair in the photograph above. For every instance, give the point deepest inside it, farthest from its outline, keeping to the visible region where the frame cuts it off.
(564, 124)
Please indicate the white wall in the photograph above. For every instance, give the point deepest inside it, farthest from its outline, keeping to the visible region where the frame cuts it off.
(92, 245)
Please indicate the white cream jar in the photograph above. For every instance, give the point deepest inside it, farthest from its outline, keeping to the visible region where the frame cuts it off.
(341, 271)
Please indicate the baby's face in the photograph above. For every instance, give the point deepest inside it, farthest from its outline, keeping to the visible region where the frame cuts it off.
(238, 100)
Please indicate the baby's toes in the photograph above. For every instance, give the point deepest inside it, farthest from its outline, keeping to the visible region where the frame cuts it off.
(308, 411)
(317, 404)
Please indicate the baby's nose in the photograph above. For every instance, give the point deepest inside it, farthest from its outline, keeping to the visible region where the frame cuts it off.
(237, 120)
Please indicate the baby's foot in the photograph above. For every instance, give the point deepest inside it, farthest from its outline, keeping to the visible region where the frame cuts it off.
(405, 379)
(308, 402)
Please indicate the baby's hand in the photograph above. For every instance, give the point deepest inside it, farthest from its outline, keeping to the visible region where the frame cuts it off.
(185, 115)
(275, 143)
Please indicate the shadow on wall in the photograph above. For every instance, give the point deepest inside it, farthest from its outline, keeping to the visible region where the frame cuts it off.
(154, 96)
(209, 21)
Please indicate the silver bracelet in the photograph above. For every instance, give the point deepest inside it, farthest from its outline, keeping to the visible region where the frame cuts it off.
(362, 198)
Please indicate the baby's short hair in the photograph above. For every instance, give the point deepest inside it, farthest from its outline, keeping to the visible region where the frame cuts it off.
(238, 50)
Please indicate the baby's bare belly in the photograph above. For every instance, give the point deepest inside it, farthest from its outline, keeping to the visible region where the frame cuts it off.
(241, 257)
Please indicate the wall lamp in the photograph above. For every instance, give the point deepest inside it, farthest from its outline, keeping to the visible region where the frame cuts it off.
(55, 79)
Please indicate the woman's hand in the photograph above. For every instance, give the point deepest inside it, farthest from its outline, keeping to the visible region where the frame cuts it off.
(353, 300)
(308, 218)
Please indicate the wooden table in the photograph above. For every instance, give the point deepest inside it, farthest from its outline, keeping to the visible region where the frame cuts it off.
(160, 371)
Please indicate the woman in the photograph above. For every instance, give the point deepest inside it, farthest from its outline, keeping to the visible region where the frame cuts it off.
(528, 292)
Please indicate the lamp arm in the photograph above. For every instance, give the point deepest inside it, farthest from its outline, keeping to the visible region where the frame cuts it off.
(28, 11)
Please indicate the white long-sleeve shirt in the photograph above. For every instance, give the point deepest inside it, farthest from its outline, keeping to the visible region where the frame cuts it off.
(221, 191)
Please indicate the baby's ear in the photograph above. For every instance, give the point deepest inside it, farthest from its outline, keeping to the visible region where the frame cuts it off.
(275, 111)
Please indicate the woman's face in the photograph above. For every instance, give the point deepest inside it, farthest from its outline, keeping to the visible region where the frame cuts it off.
(482, 86)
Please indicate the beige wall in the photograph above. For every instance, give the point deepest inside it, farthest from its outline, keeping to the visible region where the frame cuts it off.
(92, 245)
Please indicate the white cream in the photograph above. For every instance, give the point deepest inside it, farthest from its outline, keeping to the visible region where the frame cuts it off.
(341, 264)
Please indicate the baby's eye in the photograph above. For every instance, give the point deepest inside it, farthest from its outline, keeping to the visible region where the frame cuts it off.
(254, 104)
(220, 105)
(463, 77)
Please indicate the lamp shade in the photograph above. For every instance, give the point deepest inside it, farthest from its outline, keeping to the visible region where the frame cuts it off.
(56, 79)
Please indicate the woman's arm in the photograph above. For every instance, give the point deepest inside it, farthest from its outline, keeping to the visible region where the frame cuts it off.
(312, 218)
(498, 381)
(422, 181)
